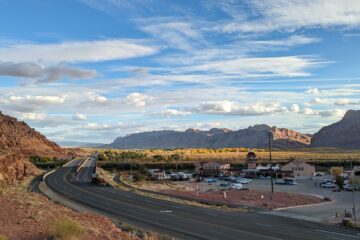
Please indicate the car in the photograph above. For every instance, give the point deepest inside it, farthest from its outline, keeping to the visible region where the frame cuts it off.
(232, 178)
(236, 186)
(261, 177)
(224, 184)
(280, 181)
(328, 185)
(349, 187)
(242, 180)
(211, 180)
(224, 178)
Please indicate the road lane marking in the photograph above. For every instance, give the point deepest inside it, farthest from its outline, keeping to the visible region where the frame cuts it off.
(212, 214)
(263, 225)
(165, 211)
(340, 234)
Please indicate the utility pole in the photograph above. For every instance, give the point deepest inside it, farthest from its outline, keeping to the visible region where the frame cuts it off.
(271, 169)
(352, 186)
(131, 174)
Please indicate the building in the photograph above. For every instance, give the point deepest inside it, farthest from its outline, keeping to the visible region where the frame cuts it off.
(251, 160)
(299, 168)
(208, 169)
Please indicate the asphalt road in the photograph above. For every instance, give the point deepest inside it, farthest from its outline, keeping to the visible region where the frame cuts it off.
(86, 169)
(183, 221)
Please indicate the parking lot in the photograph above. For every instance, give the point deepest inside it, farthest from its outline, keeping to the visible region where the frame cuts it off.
(341, 201)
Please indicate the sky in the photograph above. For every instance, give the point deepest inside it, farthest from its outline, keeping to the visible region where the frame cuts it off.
(94, 70)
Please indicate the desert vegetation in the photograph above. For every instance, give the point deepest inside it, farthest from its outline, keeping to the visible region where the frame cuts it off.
(233, 155)
(3, 237)
(65, 229)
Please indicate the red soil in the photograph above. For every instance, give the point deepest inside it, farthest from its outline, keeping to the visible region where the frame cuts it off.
(253, 198)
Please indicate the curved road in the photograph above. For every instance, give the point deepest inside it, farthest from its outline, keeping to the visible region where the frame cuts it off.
(183, 221)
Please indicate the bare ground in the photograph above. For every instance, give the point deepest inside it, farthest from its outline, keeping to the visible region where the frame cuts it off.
(26, 216)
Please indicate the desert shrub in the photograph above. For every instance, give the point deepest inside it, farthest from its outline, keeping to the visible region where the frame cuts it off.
(65, 230)
(3, 187)
(138, 177)
(3, 237)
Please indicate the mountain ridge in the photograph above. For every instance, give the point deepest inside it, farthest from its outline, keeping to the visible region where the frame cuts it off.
(254, 136)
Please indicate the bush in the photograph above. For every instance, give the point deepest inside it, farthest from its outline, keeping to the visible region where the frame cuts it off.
(65, 230)
(3, 237)
(138, 177)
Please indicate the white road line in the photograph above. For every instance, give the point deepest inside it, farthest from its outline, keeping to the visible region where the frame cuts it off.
(212, 214)
(263, 225)
(339, 234)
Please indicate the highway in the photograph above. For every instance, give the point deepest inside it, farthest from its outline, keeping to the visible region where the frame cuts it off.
(183, 221)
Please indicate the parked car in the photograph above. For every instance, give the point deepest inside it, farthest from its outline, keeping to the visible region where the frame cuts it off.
(328, 185)
(211, 180)
(243, 180)
(290, 181)
(224, 184)
(349, 187)
(280, 181)
(236, 186)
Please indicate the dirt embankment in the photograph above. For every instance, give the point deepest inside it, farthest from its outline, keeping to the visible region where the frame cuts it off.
(27, 216)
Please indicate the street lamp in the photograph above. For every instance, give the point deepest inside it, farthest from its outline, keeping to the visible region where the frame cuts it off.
(352, 186)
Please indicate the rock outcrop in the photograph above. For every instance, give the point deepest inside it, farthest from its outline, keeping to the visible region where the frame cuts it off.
(16, 136)
(343, 134)
(14, 167)
(17, 143)
(251, 137)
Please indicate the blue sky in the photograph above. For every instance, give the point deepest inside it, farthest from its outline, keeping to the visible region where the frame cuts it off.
(91, 70)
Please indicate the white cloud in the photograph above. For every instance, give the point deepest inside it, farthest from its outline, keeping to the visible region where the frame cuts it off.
(324, 113)
(176, 34)
(33, 116)
(291, 15)
(294, 40)
(138, 99)
(346, 101)
(313, 91)
(174, 112)
(295, 108)
(317, 101)
(332, 113)
(79, 117)
(234, 108)
(41, 100)
(77, 51)
(44, 74)
(96, 98)
(289, 66)
(309, 111)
